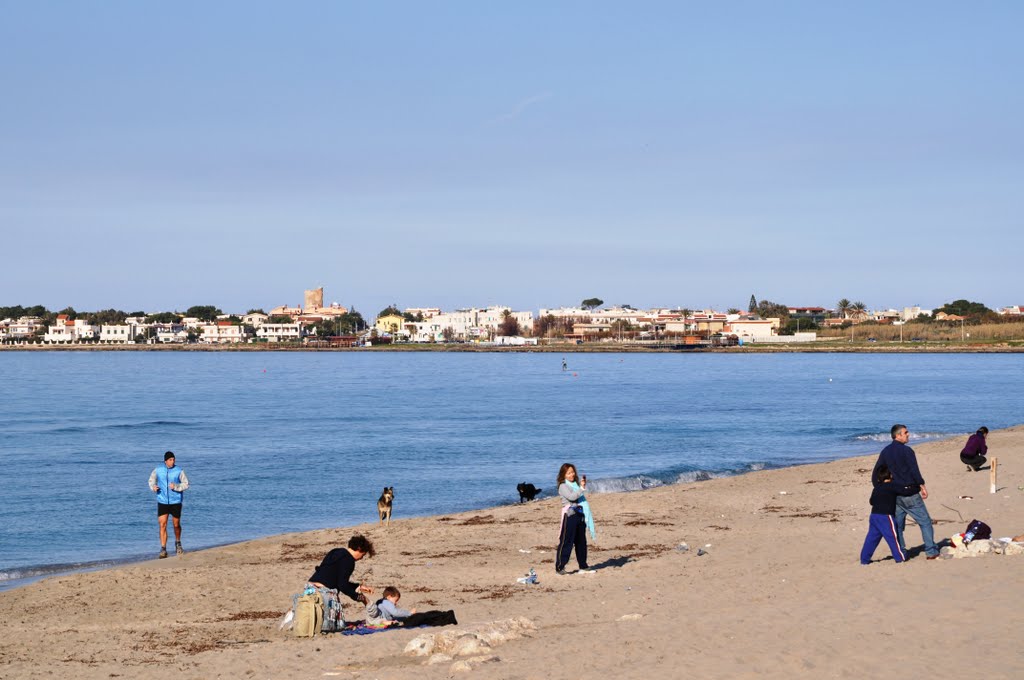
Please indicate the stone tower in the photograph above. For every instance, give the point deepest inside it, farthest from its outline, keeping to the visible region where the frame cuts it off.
(313, 300)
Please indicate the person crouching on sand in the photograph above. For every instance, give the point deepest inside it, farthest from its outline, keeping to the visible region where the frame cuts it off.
(883, 521)
(973, 455)
(576, 519)
(336, 569)
(332, 577)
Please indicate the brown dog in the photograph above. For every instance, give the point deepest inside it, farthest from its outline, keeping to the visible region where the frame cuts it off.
(384, 504)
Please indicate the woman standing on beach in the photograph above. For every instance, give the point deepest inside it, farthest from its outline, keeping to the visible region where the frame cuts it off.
(576, 519)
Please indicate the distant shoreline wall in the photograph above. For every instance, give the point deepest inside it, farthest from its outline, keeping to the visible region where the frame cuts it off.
(603, 348)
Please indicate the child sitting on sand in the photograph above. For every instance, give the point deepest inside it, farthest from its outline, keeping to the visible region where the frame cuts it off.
(883, 521)
(386, 609)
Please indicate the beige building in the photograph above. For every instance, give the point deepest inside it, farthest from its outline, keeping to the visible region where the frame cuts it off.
(285, 310)
(754, 330)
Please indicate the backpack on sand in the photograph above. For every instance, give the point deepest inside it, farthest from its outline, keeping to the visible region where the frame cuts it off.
(309, 615)
(977, 530)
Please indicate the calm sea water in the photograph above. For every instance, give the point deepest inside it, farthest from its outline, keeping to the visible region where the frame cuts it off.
(280, 442)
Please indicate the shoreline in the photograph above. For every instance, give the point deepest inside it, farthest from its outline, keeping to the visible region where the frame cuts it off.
(56, 570)
(778, 592)
(821, 347)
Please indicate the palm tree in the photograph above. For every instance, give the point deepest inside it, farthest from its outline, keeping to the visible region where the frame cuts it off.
(858, 309)
(843, 308)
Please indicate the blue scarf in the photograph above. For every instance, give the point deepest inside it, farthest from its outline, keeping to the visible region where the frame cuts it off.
(587, 516)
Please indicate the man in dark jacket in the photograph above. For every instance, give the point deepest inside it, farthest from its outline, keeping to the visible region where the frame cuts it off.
(902, 463)
(337, 566)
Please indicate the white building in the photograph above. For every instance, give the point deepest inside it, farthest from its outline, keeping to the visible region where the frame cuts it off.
(66, 331)
(459, 324)
(492, 317)
(465, 324)
(427, 312)
(886, 315)
(573, 313)
(255, 319)
(911, 313)
(280, 332)
(119, 334)
(23, 328)
(610, 316)
(169, 333)
(514, 341)
(221, 332)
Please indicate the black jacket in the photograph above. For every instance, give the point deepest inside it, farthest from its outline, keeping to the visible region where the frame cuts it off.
(335, 572)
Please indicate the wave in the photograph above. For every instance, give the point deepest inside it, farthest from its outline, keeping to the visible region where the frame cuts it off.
(42, 570)
(914, 436)
(641, 482)
(15, 577)
(125, 426)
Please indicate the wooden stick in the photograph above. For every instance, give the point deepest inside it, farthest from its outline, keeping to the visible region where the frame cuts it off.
(993, 466)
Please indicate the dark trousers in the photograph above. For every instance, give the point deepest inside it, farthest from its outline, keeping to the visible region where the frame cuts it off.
(881, 526)
(431, 618)
(573, 533)
(974, 461)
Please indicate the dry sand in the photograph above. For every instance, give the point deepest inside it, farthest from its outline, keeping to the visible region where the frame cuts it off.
(780, 592)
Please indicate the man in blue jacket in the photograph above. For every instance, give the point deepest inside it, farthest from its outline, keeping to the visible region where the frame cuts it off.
(169, 482)
(902, 463)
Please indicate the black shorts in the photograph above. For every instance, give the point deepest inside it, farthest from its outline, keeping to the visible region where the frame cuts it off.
(165, 509)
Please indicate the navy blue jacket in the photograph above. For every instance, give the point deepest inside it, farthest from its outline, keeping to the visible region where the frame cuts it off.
(883, 498)
(902, 463)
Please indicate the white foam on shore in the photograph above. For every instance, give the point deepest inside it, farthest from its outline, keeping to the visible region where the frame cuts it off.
(914, 436)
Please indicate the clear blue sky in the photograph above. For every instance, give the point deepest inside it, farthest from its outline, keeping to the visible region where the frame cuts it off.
(161, 155)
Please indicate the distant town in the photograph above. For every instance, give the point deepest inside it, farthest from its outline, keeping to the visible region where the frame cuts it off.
(315, 324)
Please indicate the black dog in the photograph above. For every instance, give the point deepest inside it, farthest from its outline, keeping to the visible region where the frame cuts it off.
(527, 491)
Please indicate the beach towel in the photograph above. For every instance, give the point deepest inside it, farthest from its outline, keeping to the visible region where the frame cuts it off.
(364, 628)
(586, 511)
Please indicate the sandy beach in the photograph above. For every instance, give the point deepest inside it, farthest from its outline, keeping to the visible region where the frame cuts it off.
(778, 594)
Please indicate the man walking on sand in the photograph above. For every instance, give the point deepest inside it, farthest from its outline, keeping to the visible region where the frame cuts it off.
(902, 463)
(169, 482)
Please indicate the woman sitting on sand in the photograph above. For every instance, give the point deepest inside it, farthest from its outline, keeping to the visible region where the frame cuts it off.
(576, 519)
(973, 455)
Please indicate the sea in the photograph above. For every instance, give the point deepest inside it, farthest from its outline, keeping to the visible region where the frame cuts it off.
(293, 441)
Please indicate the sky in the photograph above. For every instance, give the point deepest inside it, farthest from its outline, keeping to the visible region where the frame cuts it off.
(155, 156)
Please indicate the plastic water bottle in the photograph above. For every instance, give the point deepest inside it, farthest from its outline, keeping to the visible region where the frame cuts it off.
(533, 575)
(968, 537)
